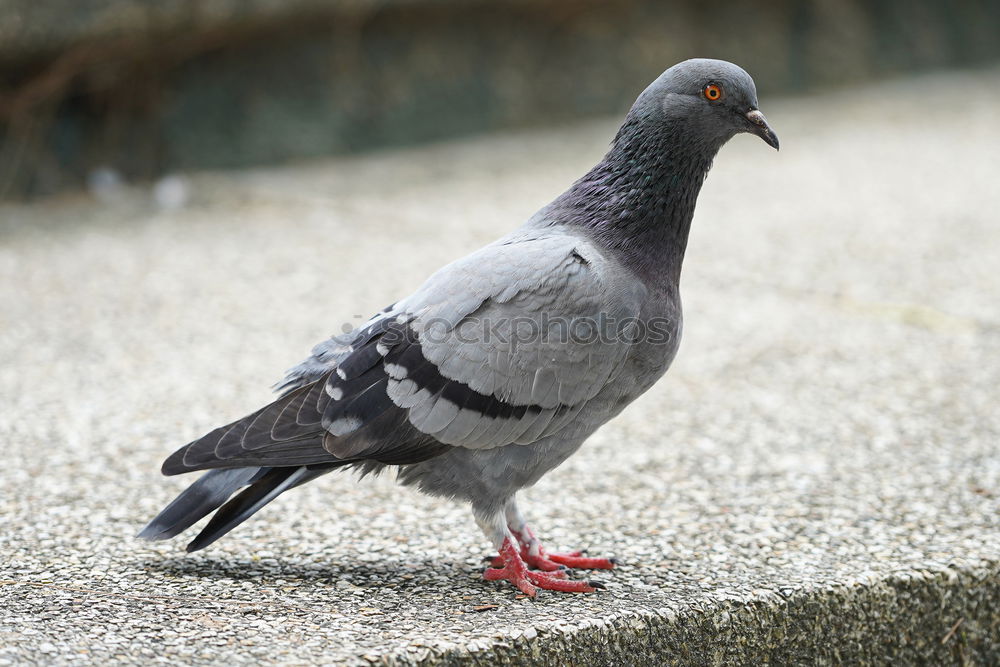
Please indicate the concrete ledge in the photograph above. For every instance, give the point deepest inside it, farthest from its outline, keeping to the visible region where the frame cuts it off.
(947, 616)
(916, 617)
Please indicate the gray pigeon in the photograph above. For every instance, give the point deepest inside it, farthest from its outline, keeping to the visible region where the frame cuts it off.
(499, 366)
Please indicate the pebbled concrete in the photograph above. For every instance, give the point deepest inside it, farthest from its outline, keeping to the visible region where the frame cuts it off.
(816, 480)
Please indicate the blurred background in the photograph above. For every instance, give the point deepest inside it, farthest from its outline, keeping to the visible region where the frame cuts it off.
(103, 91)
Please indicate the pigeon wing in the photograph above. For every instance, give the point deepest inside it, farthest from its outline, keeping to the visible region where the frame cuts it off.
(508, 344)
(504, 346)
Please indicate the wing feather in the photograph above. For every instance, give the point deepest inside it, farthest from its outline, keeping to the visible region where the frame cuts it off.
(471, 359)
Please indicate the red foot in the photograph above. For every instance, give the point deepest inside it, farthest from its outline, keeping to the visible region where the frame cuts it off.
(534, 554)
(513, 568)
(582, 562)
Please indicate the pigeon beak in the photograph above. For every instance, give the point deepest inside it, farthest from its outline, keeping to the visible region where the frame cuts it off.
(761, 128)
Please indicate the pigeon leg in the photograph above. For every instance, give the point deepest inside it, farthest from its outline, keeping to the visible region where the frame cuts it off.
(516, 571)
(510, 566)
(535, 555)
(545, 560)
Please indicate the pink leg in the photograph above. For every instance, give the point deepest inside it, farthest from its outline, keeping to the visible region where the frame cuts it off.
(534, 554)
(510, 566)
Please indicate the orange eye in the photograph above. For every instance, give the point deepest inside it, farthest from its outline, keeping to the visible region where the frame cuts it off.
(712, 92)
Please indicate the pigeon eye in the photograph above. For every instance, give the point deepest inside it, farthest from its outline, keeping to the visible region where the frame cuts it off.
(712, 92)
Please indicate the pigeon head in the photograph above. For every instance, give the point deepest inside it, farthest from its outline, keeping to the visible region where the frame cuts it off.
(639, 200)
(706, 101)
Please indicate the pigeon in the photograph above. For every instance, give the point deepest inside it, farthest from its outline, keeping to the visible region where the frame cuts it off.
(497, 368)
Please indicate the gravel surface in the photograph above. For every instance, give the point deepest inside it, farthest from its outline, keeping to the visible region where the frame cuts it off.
(816, 476)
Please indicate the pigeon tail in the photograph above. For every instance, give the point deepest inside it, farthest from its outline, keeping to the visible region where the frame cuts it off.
(197, 501)
(262, 491)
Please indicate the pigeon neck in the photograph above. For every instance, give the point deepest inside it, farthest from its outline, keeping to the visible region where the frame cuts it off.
(639, 200)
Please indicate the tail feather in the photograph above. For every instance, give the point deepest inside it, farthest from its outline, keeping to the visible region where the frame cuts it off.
(262, 491)
(209, 492)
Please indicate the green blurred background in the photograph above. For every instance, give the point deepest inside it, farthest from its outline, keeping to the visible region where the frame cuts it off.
(133, 89)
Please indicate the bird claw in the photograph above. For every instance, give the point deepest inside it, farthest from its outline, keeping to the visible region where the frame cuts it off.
(536, 562)
(534, 554)
(510, 566)
(582, 562)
